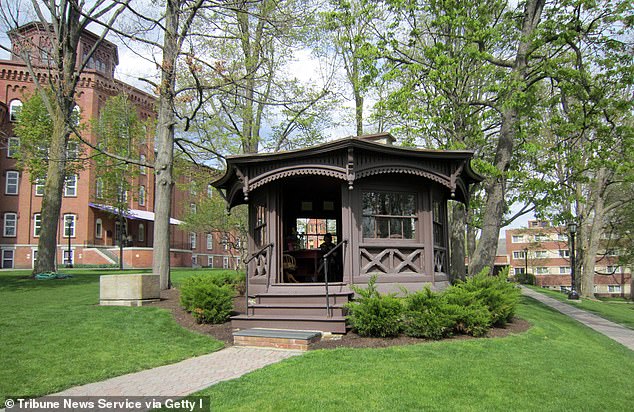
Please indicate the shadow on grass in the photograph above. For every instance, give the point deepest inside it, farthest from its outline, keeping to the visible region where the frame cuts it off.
(22, 280)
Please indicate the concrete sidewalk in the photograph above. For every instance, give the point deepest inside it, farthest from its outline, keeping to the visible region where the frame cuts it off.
(614, 331)
(186, 377)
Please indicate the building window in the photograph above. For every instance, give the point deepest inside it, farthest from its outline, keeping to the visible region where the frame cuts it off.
(390, 215)
(70, 186)
(39, 187)
(67, 256)
(210, 191)
(613, 269)
(192, 240)
(72, 150)
(12, 182)
(192, 189)
(76, 115)
(541, 254)
(225, 242)
(519, 271)
(10, 224)
(69, 225)
(311, 232)
(225, 262)
(564, 253)
(614, 288)
(37, 224)
(210, 241)
(13, 145)
(192, 208)
(122, 195)
(564, 270)
(542, 270)
(210, 261)
(141, 235)
(142, 169)
(519, 255)
(194, 260)
(562, 237)
(7, 259)
(259, 231)
(99, 188)
(98, 229)
(541, 238)
(142, 196)
(14, 109)
(518, 239)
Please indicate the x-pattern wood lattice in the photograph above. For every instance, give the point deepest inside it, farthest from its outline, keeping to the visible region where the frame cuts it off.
(261, 265)
(392, 261)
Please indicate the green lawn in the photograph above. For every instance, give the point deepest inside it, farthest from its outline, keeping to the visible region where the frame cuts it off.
(54, 336)
(616, 310)
(556, 365)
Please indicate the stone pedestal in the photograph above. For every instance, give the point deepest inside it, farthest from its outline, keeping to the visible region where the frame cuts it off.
(128, 290)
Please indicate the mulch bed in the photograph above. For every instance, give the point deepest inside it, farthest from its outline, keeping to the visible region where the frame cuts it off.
(224, 332)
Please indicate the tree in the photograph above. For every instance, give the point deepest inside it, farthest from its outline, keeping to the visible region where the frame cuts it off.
(61, 23)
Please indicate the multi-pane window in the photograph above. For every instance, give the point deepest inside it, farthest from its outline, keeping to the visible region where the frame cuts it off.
(7, 258)
(564, 253)
(12, 182)
(519, 255)
(98, 228)
(542, 270)
(518, 239)
(72, 150)
(210, 191)
(210, 261)
(613, 269)
(210, 241)
(192, 240)
(541, 238)
(99, 188)
(70, 186)
(142, 196)
(389, 215)
(39, 187)
(541, 254)
(439, 215)
(141, 232)
(259, 231)
(10, 224)
(37, 224)
(614, 288)
(142, 169)
(564, 270)
(225, 262)
(312, 231)
(519, 271)
(192, 208)
(14, 108)
(13, 145)
(69, 225)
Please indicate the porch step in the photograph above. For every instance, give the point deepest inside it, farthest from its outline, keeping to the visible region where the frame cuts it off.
(297, 309)
(334, 324)
(276, 338)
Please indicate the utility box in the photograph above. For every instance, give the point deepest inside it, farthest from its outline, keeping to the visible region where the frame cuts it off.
(129, 290)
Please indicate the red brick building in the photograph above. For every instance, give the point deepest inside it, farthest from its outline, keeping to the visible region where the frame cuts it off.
(542, 250)
(87, 223)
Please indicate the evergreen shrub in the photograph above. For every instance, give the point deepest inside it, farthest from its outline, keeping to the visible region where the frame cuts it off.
(373, 314)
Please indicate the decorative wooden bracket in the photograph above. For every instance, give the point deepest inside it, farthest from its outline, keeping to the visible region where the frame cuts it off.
(350, 168)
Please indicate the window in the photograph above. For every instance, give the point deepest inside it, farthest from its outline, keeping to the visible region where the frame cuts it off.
(311, 232)
(99, 188)
(10, 224)
(39, 187)
(192, 189)
(564, 270)
(518, 239)
(541, 238)
(142, 196)
(519, 271)
(210, 241)
(98, 229)
(614, 288)
(141, 235)
(192, 208)
(69, 225)
(13, 145)
(541, 254)
(194, 260)
(614, 269)
(259, 231)
(7, 259)
(67, 257)
(519, 255)
(225, 242)
(611, 252)
(12, 182)
(210, 191)
(37, 224)
(562, 237)
(210, 261)
(142, 169)
(439, 216)
(564, 253)
(122, 195)
(192, 240)
(76, 115)
(390, 215)
(225, 262)
(541, 270)
(70, 186)
(14, 109)
(72, 150)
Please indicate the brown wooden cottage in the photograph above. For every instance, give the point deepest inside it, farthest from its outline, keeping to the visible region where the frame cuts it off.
(385, 207)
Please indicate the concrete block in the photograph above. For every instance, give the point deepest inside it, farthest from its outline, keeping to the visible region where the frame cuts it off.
(128, 290)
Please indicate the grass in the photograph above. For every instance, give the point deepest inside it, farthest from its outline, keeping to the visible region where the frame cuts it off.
(53, 334)
(617, 310)
(556, 365)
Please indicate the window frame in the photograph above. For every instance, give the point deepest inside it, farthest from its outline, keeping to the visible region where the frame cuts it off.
(70, 190)
(142, 194)
(193, 240)
(66, 229)
(517, 239)
(12, 146)
(413, 219)
(519, 254)
(5, 226)
(98, 228)
(39, 184)
(142, 168)
(210, 241)
(141, 233)
(37, 227)
(16, 184)
(15, 106)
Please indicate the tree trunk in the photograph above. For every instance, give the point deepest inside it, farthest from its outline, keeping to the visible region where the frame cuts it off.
(165, 147)
(496, 185)
(457, 224)
(358, 101)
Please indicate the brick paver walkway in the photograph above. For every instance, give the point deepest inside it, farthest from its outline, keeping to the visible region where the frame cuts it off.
(612, 330)
(186, 377)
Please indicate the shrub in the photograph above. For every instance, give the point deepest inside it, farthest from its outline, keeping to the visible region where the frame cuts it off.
(373, 314)
(207, 301)
(525, 278)
(473, 319)
(426, 315)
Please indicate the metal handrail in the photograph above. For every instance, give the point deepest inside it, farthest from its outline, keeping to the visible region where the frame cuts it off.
(246, 280)
(326, 256)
